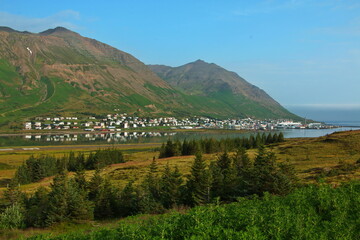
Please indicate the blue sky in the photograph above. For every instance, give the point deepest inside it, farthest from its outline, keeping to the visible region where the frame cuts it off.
(302, 52)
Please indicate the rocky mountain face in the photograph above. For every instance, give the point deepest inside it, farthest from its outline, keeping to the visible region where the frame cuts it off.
(60, 72)
(200, 78)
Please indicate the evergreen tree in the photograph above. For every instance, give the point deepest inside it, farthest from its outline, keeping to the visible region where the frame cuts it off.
(185, 148)
(81, 162)
(80, 180)
(263, 138)
(241, 161)
(246, 143)
(224, 161)
(269, 139)
(36, 169)
(12, 194)
(211, 146)
(94, 184)
(264, 173)
(37, 208)
(129, 201)
(151, 182)
(177, 148)
(258, 140)
(224, 178)
(281, 137)
(67, 201)
(61, 165)
(79, 205)
(162, 151)
(198, 183)
(114, 156)
(217, 180)
(22, 175)
(252, 142)
(58, 196)
(170, 187)
(244, 168)
(91, 162)
(275, 138)
(172, 149)
(194, 147)
(72, 162)
(150, 199)
(105, 201)
(286, 179)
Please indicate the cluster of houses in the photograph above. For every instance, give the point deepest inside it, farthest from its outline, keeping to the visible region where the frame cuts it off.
(254, 124)
(59, 123)
(118, 122)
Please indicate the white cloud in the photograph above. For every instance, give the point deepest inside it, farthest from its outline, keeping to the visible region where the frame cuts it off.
(64, 18)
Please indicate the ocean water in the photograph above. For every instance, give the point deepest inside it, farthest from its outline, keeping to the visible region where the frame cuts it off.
(344, 123)
(345, 116)
(306, 133)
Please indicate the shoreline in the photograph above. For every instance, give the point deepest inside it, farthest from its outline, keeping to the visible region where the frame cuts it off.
(128, 130)
(93, 145)
(5, 134)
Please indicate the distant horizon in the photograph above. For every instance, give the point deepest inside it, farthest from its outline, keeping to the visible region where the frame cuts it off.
(326, 113)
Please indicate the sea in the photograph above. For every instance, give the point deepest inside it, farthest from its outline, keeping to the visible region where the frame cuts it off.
(336, 115)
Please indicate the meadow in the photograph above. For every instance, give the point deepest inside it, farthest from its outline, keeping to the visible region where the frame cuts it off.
(313, 159)
(332, 159)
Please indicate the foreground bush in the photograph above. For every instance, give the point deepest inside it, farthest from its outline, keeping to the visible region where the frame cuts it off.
(308, 213)
(12, 217)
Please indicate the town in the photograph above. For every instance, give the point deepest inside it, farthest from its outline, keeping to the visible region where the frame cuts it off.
(120, 122)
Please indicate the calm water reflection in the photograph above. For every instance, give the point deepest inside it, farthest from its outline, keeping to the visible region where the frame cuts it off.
(145, 137)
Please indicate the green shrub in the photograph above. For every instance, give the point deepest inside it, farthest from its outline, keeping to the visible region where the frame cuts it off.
(12, 217)
(313, 212)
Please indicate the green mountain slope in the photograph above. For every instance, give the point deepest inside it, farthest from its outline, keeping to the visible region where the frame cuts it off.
(224, 89)
(59, 72)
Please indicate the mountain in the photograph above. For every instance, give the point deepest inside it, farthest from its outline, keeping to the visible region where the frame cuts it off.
(221, 87)
(59, 72)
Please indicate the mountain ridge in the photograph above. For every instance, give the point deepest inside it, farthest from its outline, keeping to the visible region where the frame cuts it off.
(60, 71)
(208, 79)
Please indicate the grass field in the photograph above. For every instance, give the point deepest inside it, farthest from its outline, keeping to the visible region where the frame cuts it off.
(326, 158)
(315, 159)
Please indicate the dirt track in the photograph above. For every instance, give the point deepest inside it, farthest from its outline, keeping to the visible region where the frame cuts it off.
(69, 147)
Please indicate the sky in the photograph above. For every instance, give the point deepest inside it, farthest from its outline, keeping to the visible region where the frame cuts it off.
(303, 53)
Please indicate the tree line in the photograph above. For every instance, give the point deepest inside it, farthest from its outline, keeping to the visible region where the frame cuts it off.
(36, 168)
(310, 212)
(75, 198)
(211, 145)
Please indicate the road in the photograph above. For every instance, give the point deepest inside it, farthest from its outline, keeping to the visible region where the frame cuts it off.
(76, 147)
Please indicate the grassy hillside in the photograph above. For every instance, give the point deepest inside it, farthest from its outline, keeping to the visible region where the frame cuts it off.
(60, 72)
(332, 159)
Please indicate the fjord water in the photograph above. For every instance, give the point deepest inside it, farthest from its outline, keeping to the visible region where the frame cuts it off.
(332, 115)
(346, 119)
(147, 137)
